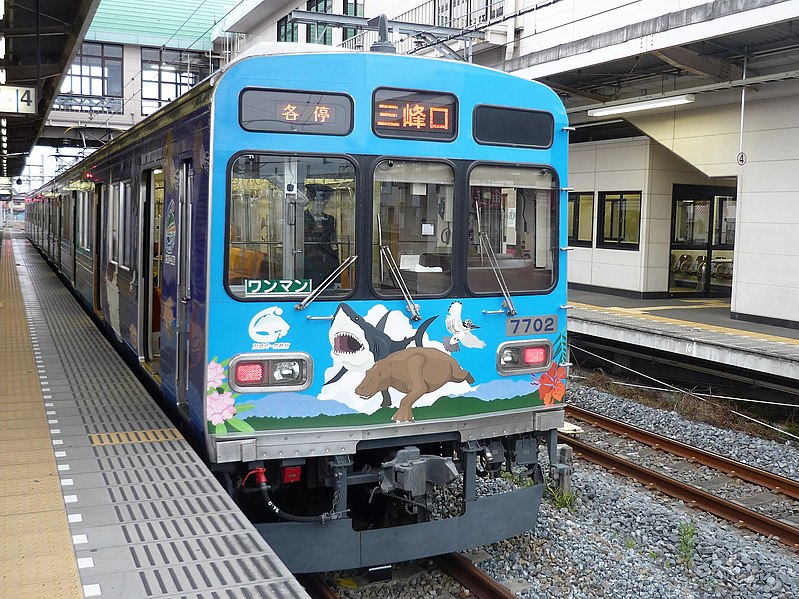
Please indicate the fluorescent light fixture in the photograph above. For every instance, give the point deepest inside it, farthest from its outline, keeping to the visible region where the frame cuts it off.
(646, 105)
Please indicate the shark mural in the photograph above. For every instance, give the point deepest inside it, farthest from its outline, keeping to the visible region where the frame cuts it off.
(358, 343)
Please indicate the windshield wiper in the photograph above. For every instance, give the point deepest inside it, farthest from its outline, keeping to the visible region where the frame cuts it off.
(326, 283)
(485, 246)
(385, 254)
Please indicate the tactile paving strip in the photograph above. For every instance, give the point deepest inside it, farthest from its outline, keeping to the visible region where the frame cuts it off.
(36, 556)
(147, 518)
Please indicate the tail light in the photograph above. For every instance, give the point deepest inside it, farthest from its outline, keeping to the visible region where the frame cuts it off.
(271, 372)
(522, 357)
(249, 373)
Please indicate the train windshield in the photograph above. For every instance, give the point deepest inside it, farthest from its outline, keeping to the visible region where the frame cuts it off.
(515, 209)
(413, 219)
(291, 225)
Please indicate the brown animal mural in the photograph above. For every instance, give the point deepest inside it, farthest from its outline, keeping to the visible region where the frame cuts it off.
(413, 371)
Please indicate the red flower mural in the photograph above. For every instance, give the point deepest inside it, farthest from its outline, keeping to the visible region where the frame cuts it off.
(551, 386)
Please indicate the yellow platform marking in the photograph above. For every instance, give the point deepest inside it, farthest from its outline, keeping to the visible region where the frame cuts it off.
(146, 436)
(36, 554)
(52, 589)
(642, 313)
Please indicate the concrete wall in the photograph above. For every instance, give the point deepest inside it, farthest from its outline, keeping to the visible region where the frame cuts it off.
(638, 164)
(766, 257)
(619, 165)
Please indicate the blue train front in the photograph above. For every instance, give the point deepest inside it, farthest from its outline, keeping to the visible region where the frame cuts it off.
(386, 299)
(345, 274)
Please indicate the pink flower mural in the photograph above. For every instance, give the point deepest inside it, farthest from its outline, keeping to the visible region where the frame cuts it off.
(216, 374)
(220, 407)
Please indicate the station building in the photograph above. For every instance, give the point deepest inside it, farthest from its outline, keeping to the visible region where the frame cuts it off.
(134, 58)
(684, 161)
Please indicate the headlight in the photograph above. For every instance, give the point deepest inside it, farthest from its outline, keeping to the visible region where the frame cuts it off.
(288, 372)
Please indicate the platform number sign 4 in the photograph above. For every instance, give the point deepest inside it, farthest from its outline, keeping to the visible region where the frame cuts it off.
(17, 100)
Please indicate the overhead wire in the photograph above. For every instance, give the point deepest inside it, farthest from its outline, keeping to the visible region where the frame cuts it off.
(163, 47)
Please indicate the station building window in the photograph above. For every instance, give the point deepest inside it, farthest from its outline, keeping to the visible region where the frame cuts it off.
(166, 74)
(319, 34)
(352, 8)
(619, 219)
(287, 32)
(94, 81)
(581, 218)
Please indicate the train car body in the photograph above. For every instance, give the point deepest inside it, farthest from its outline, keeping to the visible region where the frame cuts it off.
(345, 272)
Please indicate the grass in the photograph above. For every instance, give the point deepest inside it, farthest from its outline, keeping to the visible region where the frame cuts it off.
(560, 498)
(690, 407)
(686, 544)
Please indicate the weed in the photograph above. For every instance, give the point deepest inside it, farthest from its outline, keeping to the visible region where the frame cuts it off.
(686, 544)
(561, 499)
(519, 481)
(629, 543)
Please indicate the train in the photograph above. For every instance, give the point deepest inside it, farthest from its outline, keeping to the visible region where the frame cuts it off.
(344, 276)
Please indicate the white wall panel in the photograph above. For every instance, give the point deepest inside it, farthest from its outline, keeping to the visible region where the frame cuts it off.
(765, 300)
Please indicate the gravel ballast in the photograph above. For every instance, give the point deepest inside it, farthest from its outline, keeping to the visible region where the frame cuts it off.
(622, 540)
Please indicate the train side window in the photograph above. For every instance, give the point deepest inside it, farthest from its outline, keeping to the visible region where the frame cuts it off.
(120, 244)
(291, 224)
(413, 220)
(83, 213)
(516, 210)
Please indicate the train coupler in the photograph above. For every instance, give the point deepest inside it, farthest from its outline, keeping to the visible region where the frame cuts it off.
(410, 471)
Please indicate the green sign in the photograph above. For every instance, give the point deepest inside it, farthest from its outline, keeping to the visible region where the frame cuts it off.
(270, 287)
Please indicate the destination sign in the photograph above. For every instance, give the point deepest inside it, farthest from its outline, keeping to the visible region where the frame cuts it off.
(414, 114)
(279, 111)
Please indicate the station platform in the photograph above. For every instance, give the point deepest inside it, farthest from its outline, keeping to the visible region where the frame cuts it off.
(701, 328)
(101, 495)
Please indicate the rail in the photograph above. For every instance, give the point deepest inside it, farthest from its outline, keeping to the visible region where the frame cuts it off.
(479, 584)
(772, 481)
(316, 586)
(717, 506)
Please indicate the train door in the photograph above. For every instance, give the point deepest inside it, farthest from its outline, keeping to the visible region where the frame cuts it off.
(183, 242)
(151, 257)
(97, 277)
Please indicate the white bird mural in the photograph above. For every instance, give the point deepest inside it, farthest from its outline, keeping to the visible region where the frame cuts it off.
(461, 330)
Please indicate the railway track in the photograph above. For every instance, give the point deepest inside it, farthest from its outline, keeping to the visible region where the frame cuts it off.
(731, 510)
(475, 581)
